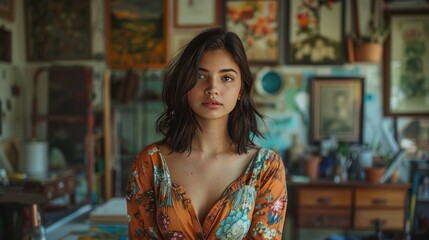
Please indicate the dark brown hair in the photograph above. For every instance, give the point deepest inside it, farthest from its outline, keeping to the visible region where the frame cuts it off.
(178, 123)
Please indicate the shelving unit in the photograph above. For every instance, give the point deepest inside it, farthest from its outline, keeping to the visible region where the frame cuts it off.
(419, 210)
(70, 112)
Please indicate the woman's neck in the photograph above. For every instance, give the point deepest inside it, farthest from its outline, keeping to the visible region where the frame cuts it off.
(212, 139)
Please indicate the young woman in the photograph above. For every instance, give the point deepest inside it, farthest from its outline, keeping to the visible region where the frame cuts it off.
(206, 179)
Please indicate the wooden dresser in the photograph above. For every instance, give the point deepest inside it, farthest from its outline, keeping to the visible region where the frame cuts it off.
(41, 191)
(349, 205)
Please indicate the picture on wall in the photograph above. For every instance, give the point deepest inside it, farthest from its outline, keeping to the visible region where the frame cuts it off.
(5, 45)
(257, 24)
(6, 9)
(58, 30)
(315, 34)
(336, 108)
(179, 40)
(196, 14)
(1, 113)
(136, 34)
(406, 73)
(413, 133)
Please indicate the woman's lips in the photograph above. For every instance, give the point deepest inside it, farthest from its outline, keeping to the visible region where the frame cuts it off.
(212, 104)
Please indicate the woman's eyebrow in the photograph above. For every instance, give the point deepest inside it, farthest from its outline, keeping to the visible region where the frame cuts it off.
(228, 70)
(203, 69)
(221, 71)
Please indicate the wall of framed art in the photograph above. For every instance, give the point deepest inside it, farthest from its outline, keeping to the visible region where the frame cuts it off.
(301, 44)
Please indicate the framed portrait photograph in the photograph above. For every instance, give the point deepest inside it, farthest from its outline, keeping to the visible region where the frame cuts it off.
(136, 34)
(315, 34)
(406, 63)
(7, 8)
(336, 108)
(257, 24)
(55, 32)
(196, 14)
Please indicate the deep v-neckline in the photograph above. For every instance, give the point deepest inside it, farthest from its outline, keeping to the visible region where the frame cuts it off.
(231, 188)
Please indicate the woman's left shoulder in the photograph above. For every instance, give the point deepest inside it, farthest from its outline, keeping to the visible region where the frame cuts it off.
(269, 154)
(268, 157)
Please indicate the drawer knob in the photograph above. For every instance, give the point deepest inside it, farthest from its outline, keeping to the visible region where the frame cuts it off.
(324, 200)
(379, 201)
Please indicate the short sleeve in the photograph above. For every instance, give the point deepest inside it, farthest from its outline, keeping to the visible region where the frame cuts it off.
(141, 204)
(271, 201)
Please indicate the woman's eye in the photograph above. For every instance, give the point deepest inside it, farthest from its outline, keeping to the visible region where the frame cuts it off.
(228, 78)
(201, 76)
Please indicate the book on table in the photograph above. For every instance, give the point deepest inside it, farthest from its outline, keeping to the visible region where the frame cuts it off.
(112, 211)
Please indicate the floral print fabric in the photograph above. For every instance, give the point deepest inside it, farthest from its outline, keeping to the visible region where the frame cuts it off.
(251, 207)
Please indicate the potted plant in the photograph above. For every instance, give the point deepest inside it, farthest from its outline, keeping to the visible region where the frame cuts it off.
(368, 47)
(381, 159)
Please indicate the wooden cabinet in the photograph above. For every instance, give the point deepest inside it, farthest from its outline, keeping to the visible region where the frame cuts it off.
(385, 204)
(42, 190)
(351, 205)
(328, 207)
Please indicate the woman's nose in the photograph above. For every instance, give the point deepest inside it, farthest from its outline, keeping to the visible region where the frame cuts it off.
(211, 89)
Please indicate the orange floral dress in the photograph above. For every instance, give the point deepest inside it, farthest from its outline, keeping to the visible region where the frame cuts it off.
(251, 207)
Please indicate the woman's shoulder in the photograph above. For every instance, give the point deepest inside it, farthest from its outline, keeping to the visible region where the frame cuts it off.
(148, 152)
(269, 158)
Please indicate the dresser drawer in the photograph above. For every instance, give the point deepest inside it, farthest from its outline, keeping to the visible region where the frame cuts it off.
(390, 219)
(324, 197)
(380, 198)
(336, 218)
(59, 187)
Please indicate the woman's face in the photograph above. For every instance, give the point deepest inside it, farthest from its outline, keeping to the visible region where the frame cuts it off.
(218, 85)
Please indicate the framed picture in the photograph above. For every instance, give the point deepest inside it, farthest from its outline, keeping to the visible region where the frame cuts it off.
(196, 14)
(315, 34)
(136, 33)
(257, 24)
(336, 108)
(7, 9)
(1, 118)
(54, 30)
(179, 40)
(406, 63)
(413, 134)
(5, 45)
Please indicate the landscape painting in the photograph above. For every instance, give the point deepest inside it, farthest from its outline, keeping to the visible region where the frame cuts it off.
(136, 33)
